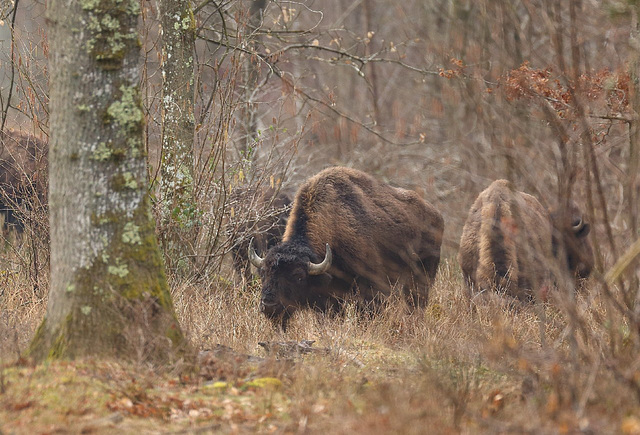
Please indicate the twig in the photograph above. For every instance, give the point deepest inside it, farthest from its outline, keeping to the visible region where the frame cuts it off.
(211, 428)
(623, 118)
(5, 110)
(109, 420)
(624, 261)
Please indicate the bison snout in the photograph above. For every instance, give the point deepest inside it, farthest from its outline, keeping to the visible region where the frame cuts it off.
(271, 309)
(264, 305)
(583, 270)
(268, 299)
(269, 305)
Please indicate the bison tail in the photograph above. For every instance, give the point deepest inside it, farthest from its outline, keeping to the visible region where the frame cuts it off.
(497, 262)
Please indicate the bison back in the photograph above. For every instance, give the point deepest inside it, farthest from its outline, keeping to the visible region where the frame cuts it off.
(23, 175)
(379, 234)
(506, 242)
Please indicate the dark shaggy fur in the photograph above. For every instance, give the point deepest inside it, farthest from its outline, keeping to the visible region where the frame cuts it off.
(23, 176)
(512, 243)
(380, 237)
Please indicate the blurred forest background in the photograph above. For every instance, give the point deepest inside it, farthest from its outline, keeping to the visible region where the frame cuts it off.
(439, 96)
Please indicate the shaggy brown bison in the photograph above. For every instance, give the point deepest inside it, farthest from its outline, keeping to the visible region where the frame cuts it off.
(264, 222)
(350, 235)
(512, 243)
(23, 176)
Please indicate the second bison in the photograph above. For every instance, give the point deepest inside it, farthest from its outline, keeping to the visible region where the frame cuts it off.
(23, 177)
(263, 221)
(512, 243)
(350, 235)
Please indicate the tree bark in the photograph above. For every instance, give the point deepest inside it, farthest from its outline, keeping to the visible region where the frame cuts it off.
(634, 130)
(252, 75)
(178, 125)
(631, 186)
(109, 294)
(371, 67)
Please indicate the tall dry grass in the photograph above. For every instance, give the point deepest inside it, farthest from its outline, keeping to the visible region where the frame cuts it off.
(23, 290)
(458, 365)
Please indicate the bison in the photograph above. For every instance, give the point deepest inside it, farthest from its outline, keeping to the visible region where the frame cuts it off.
(349, 235)
(265, 224)
(512, 243)
(23, 176)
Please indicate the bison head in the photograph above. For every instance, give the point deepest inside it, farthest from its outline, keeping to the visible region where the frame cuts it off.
(574, 231)
(579, 249)
(291, 276)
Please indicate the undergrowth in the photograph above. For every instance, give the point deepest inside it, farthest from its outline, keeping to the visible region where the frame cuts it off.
(455, 366)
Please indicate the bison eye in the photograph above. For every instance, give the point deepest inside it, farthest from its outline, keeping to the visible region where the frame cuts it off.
(298, 275)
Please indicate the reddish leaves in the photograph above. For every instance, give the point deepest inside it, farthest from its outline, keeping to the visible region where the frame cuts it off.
(609, 89)
(20, 405)
(457, 69)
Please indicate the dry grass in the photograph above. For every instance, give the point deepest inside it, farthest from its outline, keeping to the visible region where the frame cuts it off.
(454, 367)
(22, 304)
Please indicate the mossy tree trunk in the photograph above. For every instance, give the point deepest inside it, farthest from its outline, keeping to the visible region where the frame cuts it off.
(109, 294)
(178, 45)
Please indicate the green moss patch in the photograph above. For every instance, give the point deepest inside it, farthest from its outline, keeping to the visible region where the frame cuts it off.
(112, 24)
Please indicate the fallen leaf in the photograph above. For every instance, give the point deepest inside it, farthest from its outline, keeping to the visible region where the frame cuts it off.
(268, 383)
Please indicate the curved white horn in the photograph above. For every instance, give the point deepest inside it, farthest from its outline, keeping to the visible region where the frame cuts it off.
(319, 268)
(254, 258)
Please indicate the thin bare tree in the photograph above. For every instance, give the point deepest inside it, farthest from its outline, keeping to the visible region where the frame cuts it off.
(178, 126)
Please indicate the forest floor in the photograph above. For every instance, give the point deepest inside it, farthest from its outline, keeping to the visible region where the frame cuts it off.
(450, 368)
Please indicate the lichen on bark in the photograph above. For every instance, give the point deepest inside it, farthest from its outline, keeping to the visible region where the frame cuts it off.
(117, 290)
(108, 286)
(178, 125)
(109, 24)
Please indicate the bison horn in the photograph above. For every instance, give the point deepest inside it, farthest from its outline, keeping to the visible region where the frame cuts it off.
(319, 268)
(254, 258)
(578, 225)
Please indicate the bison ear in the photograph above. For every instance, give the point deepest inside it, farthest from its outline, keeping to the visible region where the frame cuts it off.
(584, 231)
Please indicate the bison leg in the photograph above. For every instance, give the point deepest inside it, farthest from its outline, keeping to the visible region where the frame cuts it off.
(284, 321)
(281, 321)
(416, 291)
(416, 294)
(430, 265)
